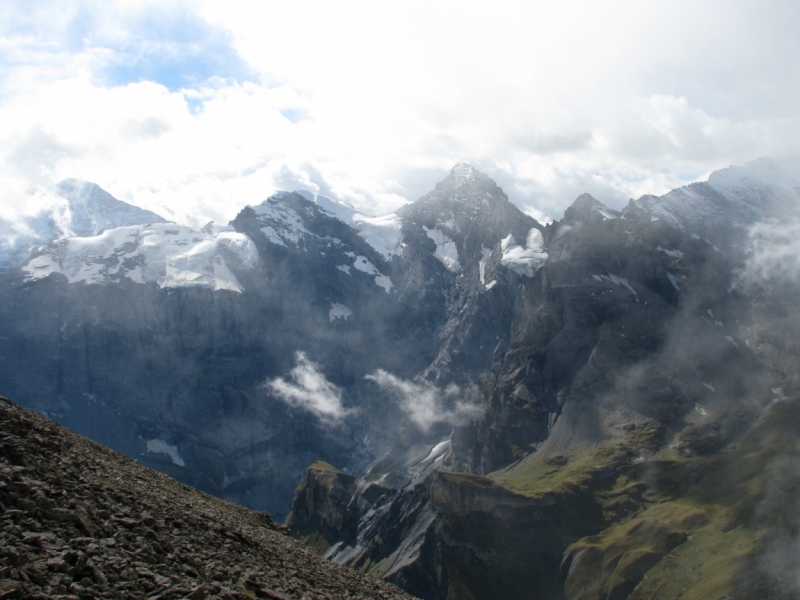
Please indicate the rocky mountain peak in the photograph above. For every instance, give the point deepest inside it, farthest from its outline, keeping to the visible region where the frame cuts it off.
(464, 174)
(81, 209)
(467, 202)
(93, 210)
(587, 208)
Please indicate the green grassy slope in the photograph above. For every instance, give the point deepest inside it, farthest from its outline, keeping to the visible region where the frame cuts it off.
(678, 527)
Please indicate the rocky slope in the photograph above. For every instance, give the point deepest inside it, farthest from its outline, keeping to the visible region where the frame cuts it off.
(78, 520)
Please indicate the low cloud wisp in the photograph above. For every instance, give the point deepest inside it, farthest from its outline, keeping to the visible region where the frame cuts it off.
(425, 404)
(307, 388)
(774, 253)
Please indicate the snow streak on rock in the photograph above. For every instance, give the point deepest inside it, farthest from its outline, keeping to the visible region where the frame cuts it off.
(446, 250)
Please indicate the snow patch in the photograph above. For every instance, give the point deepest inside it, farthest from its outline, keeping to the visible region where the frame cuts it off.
(486, 253)
(385, 282)
(167, 254)
(490, 285)
(710, 387)
(672, 253)
(344, 269)
(338, 210)
(617, 281)
(731, 340)
(280, 223)
(524, 260)
(673, 280)
(384, 234)
(272, 236)
(364, 265)
(436, 452)
(446, 250)
(339, 311)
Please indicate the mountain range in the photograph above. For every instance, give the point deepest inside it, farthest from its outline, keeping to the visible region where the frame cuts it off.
(495, 407)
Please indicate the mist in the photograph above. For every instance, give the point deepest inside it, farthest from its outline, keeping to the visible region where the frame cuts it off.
(33, 219)
(307, 388)
(773, 254)
(425, 404)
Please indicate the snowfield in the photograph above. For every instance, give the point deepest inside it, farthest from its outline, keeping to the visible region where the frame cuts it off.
(170, 255)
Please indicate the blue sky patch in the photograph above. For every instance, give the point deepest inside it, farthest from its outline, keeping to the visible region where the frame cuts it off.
(295, 115)
(167, 44)
(174, 48)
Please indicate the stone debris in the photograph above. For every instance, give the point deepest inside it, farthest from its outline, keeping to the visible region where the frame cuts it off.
(80, 521)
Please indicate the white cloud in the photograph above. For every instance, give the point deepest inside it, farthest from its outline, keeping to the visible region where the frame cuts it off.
(425, 404)
(373, 103)
(308, 389)
(773, 253)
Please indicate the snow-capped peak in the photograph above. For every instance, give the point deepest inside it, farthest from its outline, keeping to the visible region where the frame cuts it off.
(282, 223)
(340, 210)
(91, 209)
(739, 182)
(71, 208)
(721, 209)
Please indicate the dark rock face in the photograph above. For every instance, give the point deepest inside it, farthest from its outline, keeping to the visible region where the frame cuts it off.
(80, 521)
(468, 213)
(386, 532)
(618, 322)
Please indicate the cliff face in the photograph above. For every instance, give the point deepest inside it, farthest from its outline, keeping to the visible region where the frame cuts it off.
(636, 518)
(386, 532)
(617, 326)
(459, 535)
(78, 520)
(489, 249)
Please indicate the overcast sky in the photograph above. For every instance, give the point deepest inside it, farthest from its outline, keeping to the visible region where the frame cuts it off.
(194, 109)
